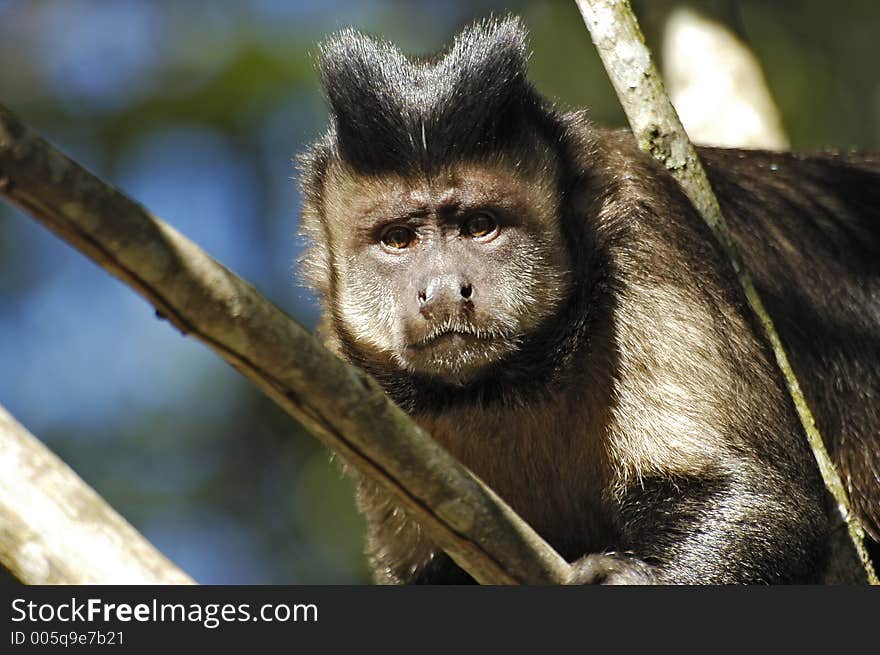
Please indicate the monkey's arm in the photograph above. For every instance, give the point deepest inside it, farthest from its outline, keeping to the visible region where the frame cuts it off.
(691, 531)
(744, 528)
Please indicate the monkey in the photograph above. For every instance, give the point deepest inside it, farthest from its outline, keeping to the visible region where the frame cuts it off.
(540, 296)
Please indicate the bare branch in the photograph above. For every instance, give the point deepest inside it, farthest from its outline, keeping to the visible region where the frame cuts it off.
(657, 129)
(54, 528)
(340, 404)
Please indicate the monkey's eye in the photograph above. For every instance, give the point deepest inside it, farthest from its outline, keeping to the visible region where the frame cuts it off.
(398, 237)
(479, 226)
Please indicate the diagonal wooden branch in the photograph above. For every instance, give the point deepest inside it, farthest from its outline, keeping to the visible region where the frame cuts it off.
(54, 528)
(338, 403)
(655, 124)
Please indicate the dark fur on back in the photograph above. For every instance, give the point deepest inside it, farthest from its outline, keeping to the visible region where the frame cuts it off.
(809, 229)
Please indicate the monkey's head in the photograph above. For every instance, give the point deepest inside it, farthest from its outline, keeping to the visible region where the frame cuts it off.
(432, 204)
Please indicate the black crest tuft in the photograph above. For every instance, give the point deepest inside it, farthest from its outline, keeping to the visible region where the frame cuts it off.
(390, 112)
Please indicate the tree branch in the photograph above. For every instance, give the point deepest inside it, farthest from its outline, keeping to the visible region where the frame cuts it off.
(341, 405)
(621, 45)
(54, 528)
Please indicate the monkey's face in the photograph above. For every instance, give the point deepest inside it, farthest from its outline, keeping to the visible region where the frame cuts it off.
(444, 276)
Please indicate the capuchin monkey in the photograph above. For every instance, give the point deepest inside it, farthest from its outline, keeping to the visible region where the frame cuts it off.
(542, 298)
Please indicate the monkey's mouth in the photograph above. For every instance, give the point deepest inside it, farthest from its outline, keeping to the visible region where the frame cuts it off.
(443, 352)
(455, 353)
(449, 337)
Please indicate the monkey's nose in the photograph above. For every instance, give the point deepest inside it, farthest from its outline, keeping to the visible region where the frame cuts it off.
(444, 295)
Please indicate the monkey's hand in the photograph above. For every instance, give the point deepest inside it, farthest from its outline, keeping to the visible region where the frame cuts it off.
(611, 569)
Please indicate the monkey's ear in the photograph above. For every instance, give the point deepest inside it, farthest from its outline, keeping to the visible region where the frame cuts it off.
(390, 111)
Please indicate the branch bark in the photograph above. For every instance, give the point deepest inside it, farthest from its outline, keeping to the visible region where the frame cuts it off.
(655, 124)
(344, 407)
(55, 529)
